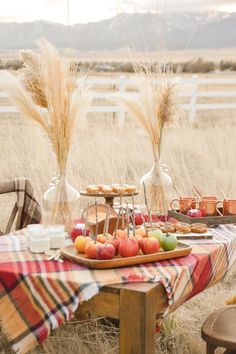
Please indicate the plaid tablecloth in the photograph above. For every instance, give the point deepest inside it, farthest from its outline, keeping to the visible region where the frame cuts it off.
(37, 295)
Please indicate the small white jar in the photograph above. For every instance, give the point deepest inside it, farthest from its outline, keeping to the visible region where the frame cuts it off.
(56, 234)
(39, 242)
(32, 231)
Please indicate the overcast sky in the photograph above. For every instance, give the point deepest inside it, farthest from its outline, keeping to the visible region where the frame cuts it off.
(82, 11)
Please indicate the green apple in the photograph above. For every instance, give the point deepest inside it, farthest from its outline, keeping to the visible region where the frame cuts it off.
(168, 242)
(155, 234)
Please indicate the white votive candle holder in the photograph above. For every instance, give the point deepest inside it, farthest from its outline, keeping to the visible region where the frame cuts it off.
(34, 230)
(57, 235)
(39, 243)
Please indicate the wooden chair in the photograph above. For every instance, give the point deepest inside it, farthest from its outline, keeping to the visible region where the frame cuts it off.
(219, 330)
(26, 209)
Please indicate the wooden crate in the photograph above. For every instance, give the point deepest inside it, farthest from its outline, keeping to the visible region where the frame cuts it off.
(208, 220)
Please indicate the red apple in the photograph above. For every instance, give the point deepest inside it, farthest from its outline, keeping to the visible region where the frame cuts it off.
(115, 242)
(203, 211)
(140, 240)
(128, 247)
(155, 218)
(78, 230)
(105, 251)
(138, 217)
(150, 245)
(194, 213)
(91, 249)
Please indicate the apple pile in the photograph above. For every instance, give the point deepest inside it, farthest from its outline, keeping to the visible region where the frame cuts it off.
(140, 218)
(107, 246)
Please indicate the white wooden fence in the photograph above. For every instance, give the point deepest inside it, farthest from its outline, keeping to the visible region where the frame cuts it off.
(188, 89)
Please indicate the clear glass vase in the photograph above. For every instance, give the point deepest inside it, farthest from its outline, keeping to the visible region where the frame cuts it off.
(157, 189)
(61, 203)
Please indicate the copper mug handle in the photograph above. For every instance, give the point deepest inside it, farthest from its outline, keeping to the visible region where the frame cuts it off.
(172, 207)
(195, 203)
(218, 211)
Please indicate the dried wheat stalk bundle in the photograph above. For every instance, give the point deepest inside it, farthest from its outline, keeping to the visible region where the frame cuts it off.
(50, 94)
(32, 79)
(154, 106)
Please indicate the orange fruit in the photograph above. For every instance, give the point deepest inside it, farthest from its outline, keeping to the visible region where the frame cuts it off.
(121, 234)
(81, 242)
(141, 232)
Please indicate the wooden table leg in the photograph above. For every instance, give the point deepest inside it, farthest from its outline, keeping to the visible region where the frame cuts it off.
(137, 322)
(136, 305)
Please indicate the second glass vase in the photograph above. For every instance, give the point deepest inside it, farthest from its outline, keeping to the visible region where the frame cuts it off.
(157, 187)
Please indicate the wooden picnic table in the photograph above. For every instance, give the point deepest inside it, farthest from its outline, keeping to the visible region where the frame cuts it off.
(54, 291)
(136, 306)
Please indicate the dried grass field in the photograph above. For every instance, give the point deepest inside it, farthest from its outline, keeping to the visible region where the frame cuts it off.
(201, 154)
(123, 54)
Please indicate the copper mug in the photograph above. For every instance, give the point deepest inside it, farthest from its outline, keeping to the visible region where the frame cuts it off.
(229, 207)
(184, 204)
(208, 206)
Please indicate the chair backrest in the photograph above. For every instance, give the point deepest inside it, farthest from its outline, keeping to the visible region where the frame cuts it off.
(26, 209)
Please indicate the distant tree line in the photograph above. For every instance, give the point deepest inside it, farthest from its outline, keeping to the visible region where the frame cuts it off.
(198, 65)
(13, 64)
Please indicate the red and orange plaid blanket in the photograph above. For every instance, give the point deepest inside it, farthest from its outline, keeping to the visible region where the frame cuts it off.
(37, 295)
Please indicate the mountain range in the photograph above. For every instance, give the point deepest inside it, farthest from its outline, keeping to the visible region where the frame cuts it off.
(140, 31)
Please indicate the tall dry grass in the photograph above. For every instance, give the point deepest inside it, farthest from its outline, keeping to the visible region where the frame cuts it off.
(202, 154)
